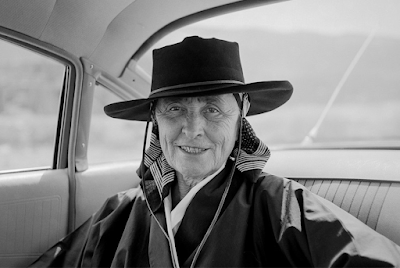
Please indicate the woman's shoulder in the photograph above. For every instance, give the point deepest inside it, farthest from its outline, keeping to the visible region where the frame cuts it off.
(274, 189)
(126, 196)
(122, 201)
(273, 183)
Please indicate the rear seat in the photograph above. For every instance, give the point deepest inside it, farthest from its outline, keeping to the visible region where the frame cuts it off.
(376, 203)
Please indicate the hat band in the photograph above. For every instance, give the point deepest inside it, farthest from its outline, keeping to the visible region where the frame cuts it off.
(206, 83)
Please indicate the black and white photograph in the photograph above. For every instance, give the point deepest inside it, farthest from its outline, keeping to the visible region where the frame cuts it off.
(199, 133)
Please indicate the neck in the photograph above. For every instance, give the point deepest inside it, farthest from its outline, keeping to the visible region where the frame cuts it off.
(181, 187)
(184, 184)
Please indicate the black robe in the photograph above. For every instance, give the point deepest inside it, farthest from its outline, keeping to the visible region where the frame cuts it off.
(267, 221)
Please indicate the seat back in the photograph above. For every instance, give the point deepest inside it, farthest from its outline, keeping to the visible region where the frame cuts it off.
(373, 202)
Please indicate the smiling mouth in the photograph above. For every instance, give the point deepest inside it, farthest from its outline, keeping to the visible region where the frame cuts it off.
(192, 150)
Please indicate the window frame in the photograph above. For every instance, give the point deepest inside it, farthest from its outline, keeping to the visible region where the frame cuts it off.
(61, 144)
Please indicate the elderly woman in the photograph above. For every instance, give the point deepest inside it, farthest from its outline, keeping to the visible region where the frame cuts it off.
(204, 200)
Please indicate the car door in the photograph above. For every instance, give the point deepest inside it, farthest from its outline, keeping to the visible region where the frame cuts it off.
(50, 182)
(35, 116)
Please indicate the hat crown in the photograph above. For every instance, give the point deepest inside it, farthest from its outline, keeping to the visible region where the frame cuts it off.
(201, 67)
(196, 61)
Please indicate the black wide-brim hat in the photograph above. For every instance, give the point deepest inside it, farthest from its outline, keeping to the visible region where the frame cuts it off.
(201, 67)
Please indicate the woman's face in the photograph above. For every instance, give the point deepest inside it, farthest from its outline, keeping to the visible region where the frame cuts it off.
(197, 134)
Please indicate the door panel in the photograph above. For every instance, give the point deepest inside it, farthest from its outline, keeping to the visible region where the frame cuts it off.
(34, 209)
(99, 182)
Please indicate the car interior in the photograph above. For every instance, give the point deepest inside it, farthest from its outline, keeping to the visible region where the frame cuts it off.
(96, 52)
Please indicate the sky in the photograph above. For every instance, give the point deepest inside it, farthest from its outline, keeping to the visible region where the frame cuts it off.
(333, 16)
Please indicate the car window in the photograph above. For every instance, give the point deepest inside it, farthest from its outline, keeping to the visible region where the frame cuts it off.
(110, 139)
(30, 87)
(342, 57)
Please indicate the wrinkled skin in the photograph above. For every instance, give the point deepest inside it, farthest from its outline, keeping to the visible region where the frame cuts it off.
(197, 134)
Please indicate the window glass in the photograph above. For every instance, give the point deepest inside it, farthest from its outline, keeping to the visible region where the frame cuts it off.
(341, 56)
(112, 139)
(30, 86)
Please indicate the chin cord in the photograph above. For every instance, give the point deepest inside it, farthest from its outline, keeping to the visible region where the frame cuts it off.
(142, 166)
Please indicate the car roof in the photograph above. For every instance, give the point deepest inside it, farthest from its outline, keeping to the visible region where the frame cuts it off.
(109, 35)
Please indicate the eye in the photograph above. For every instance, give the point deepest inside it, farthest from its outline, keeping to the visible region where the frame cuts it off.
(212, 110)
(174, 108)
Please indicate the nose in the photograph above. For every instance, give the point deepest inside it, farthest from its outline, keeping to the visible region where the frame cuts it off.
(194, 125)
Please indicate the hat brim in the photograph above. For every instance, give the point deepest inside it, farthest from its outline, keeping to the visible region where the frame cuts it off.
(264, 97)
